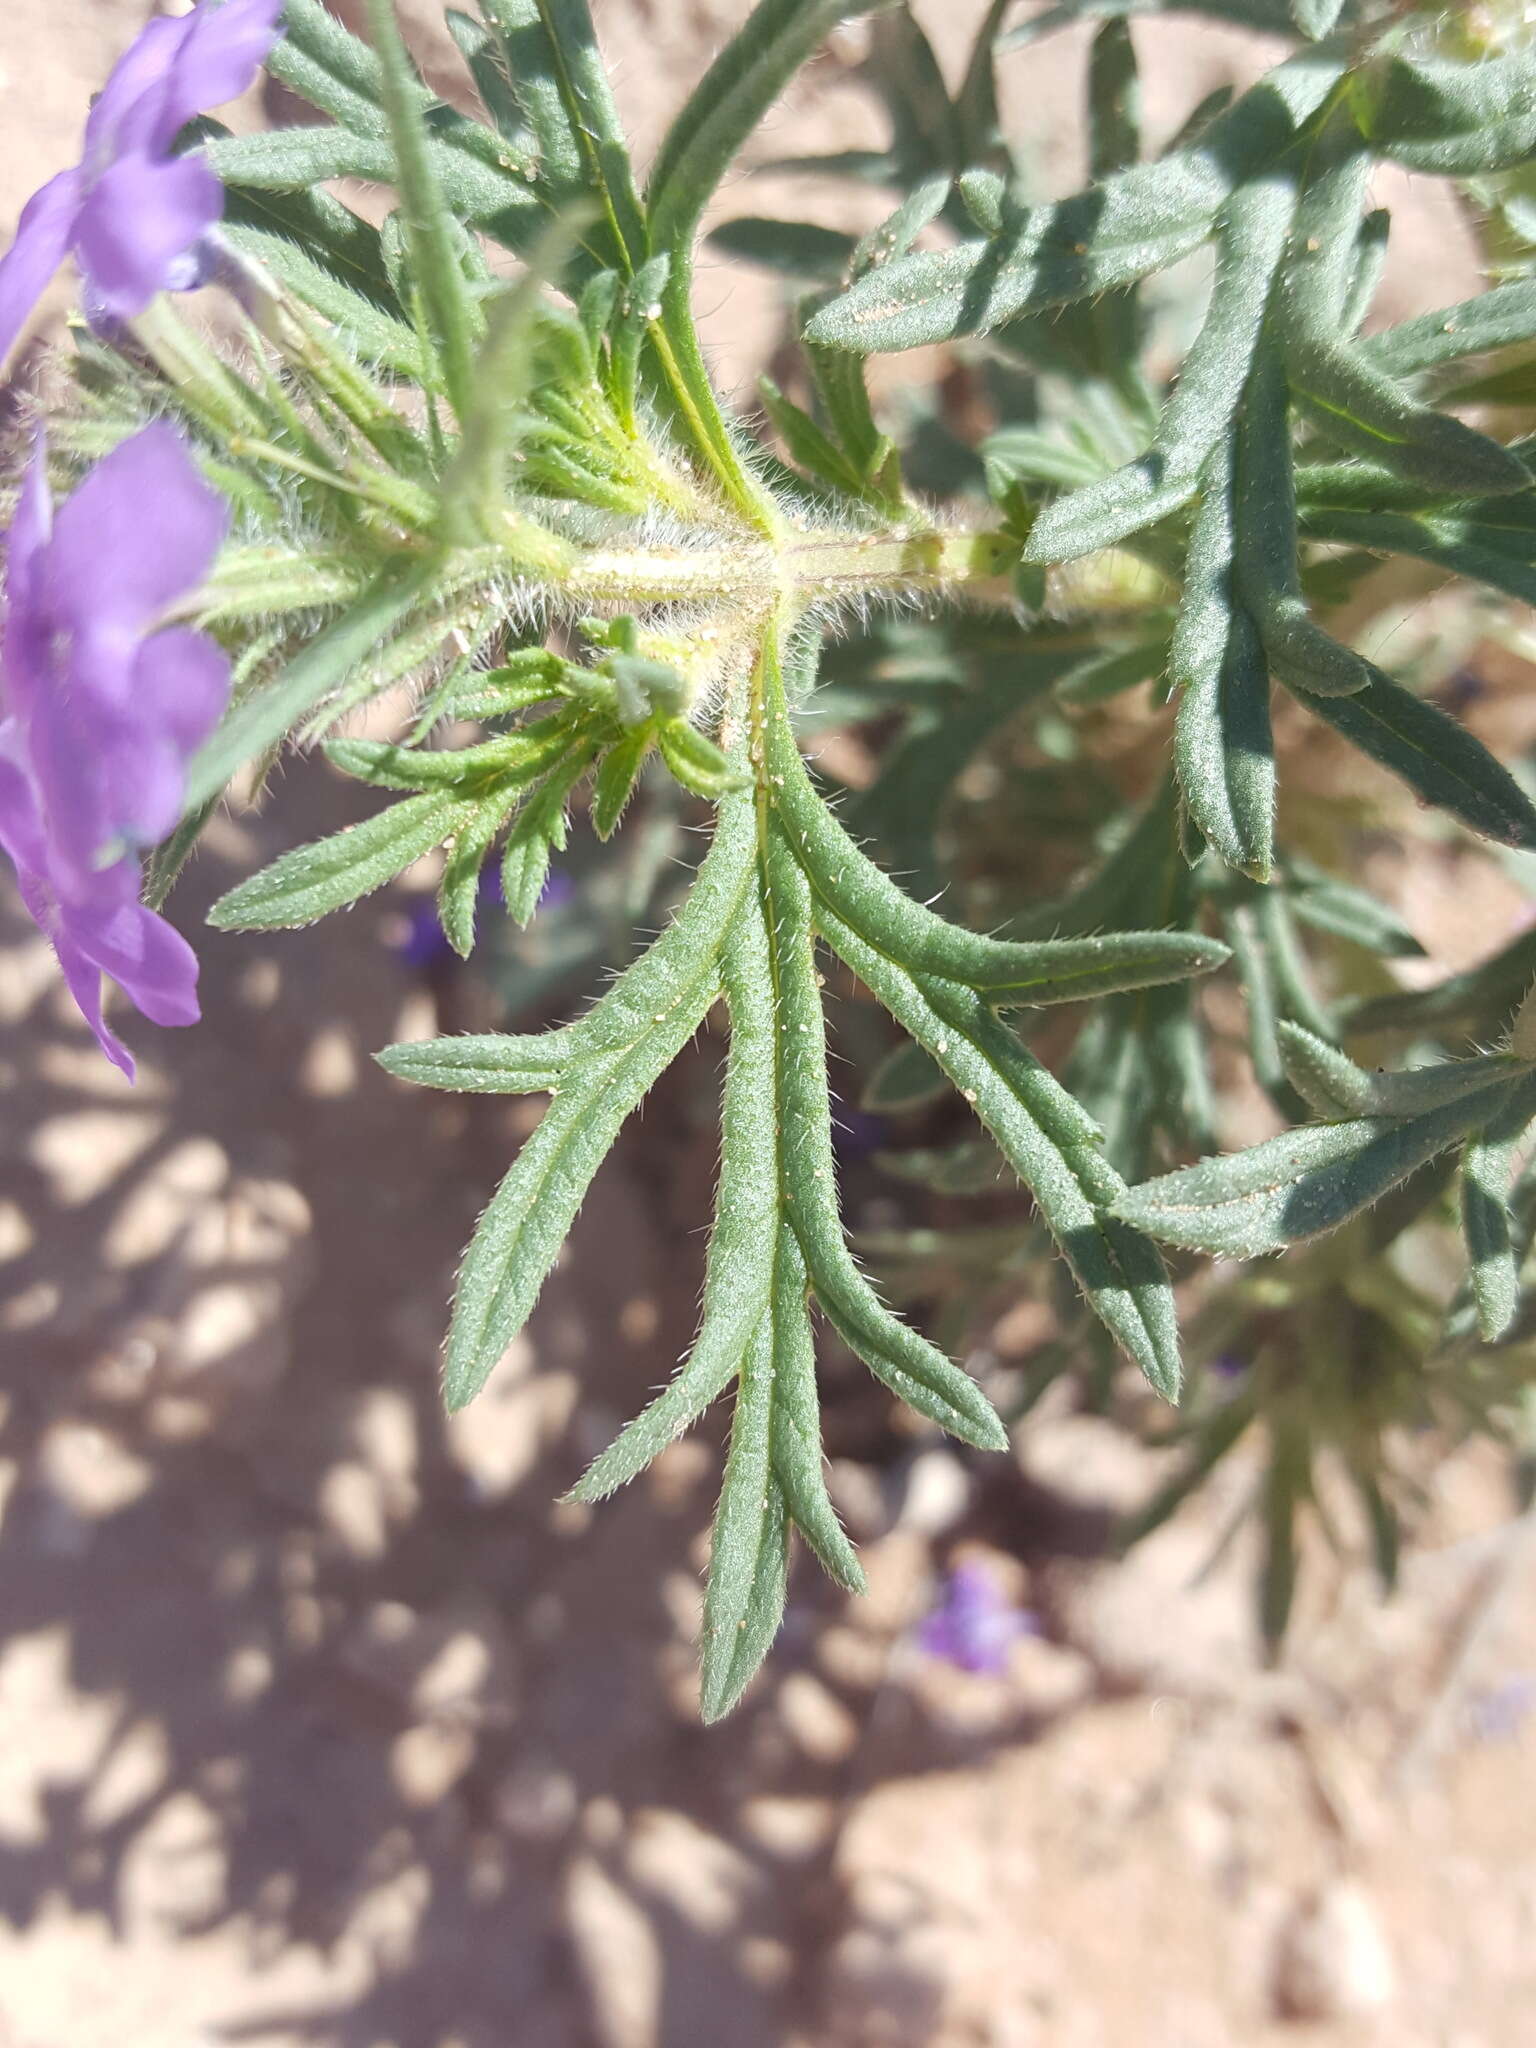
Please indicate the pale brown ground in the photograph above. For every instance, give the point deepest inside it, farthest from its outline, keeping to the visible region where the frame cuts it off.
(321, 1724)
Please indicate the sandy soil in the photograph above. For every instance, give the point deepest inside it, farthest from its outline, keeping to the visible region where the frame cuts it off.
(322, 1723)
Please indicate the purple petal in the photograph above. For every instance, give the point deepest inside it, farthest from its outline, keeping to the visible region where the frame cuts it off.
(148, 959)
(141, 221)
(141, 531)
(219, 58)
(143, 775)
(973, 1625)
(181, 684)
(23, 650)
(130, 93)
(30, 528)
(82, 976)
(68, 761)
(21, 829)
(123, 776)
(43, 236)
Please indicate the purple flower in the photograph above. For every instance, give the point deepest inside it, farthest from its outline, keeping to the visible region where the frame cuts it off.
(109, 708)
(101, 710)
(102, 929)
(972, 1624)
(135, 216)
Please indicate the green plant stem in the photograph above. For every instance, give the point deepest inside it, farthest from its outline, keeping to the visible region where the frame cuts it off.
(805, 568)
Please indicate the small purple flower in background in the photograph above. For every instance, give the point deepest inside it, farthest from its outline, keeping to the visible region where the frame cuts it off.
(1499, 1714)
(422, 943)
(857, 1133)
(557, 891)
(973, 1624)
(134, 216)
(1462, 690)
(101, 711)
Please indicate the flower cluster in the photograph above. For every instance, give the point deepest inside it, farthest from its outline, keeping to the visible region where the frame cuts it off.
(101, 710)
(100, 706)
(135, 215)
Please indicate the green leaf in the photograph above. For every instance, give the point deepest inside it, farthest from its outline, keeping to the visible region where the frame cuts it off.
(330, 67)
(740, 1269)
(1051, 1144)
(1100, 677)
(483, 55)
(1477, 544)
(726, 105)
(1329, 905)
(1487, 1168)
(1371, 244)
(1345, 394)
(1199, 412)
(452, 315)
(475, 489)
(526, 859)
(1308, 1181)
(1010, 972)
(796, 1423)
(1316, 18)
(1453, 119)
(1268, 571)
(973, 1167)
(1478, 998)
(807, 445)
(696, 761)
(1386, 1530)
(1336, 1087)
(1114, 101)
(1223, 741)
(839, 380)
(1437, 758)
(458, 892)
(616, 778)
(792, 248)
(331, 873)
(896, 234)
(521, 1232)
(168, 859)
(749, 1548)
(1497, 319)
(908, 1364)
(1112, 234)
(558, 76)
(291, 160)
(376, 336)
(976, 115)
(512, 761)
(904, 70)
(482, 1063)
